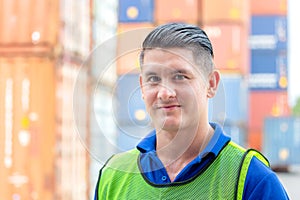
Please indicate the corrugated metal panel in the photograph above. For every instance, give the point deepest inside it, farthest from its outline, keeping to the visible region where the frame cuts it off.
(215, 11)
(268, 32)
(72, 123)
(130, 38)
(236, 98)
(75, 34)
(236, 132)
(136, 11)
(28, 22)
(105, 20)
(263, 104)
(230, 105)
(230, 46)
(103, 132)
(177, 11)
(130, 108)
(268, 70)
(281, 142)
(268, 7)
(133, 122)
(27, 127)
(255, 138)
(129, 136)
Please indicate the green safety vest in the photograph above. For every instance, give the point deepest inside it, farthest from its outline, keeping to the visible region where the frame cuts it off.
(224, 178)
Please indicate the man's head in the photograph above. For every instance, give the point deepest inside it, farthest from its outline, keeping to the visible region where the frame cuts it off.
(178, 77)
(180, 35)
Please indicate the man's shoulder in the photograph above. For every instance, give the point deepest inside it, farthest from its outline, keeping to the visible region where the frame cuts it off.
(123, 160)
(261, 181)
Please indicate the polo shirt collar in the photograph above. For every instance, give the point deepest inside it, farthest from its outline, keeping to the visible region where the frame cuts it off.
(214, 146)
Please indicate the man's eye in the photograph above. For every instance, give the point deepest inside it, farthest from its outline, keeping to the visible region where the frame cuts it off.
(180, 77)
(154, 79)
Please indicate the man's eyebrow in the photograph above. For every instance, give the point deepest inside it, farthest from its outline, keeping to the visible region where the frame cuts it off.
(180, 71)
(150, 73)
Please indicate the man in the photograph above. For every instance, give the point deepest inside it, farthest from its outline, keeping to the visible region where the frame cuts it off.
(186, 156)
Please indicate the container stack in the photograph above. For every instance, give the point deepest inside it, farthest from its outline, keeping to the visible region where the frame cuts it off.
(135, 21)
(72, 99)
(228, 30)
(102, 78)
(27, 98)
(268, 77)
(281, 143)
(227, 26)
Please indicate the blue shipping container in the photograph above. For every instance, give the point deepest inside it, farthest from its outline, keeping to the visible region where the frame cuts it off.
(268, 32)
(136, 11)
(129, 107)
(268, 70)
(281, 140)
(230, 102)
(236, 132)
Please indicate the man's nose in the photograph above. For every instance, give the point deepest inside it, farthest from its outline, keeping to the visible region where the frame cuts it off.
(165, 92)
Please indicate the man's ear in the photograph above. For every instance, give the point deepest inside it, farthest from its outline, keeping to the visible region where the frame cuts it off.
(213, 82)
(141, 85)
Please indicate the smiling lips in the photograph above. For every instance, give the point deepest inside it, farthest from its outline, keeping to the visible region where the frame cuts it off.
(168, 107)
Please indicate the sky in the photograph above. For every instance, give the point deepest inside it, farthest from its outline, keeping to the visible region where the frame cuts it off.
(293, 50)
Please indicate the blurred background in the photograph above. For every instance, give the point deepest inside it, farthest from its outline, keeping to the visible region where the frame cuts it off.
(69, 93)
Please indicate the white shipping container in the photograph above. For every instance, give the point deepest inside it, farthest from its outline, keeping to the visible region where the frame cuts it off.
(76, 30)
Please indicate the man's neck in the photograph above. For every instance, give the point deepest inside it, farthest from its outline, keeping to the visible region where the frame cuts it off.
(177, 149)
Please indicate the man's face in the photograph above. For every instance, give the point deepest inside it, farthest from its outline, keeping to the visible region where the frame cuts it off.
(174, 89)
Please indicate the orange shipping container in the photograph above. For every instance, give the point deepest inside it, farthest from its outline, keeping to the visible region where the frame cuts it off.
(27, 128)
(28, 22)
(176, 11)
(268, 7)
(230, 46)
(266, 103)
(129, 42)
(216, 11)
(255, 137)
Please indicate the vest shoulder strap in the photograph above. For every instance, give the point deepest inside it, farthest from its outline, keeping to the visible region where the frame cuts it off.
(247, 157)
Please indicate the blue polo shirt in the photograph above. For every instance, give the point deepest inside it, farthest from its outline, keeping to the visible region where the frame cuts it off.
(261, 182)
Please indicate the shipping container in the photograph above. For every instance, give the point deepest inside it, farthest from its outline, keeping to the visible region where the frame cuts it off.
(105, 20)
(29, 22)
(129, 136)
(228, 11)
(281, 140)
(129, 106)
(263, 104)
(230, 105)
(133, 121)
(136, 11)
(268, 70)
(268, 32)
(129, 42)
(72, 115)
(27, 105)
(236, 98)
(268, 7)
(237, 132)
(103, 132)
(187, 11)
(102, 62)
(231, 53)
(75, 34)
(255, 138)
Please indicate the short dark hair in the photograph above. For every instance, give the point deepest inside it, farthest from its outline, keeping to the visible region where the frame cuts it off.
(181, 35)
